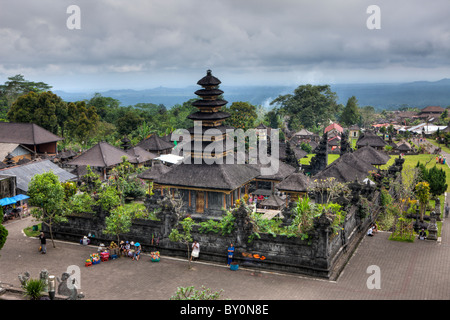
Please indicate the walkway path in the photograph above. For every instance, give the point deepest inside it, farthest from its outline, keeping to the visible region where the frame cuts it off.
(418, 270)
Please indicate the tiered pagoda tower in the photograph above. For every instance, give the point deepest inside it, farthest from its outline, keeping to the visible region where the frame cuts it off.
(208, 187)
(208, 117)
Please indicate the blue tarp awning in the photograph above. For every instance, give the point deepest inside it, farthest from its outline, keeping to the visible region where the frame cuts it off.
(7, 201)
(20, 197)
(11, 200)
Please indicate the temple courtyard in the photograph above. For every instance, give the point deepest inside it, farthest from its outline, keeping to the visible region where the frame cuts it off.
(380, 269)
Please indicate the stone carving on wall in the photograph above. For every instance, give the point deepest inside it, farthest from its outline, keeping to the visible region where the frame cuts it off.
(243, 226)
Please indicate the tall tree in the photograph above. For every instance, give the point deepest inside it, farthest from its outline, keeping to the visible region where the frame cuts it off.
(185, 236)
(81, 120)
(45, 109)
(119, 221)
(350, 115)
(15, 87)
(106, 107)
(309, 105)
(48, 197)
(367, 116)
(272, 118)
(243, 115)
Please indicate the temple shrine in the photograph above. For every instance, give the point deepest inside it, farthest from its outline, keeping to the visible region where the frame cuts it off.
(207, 184)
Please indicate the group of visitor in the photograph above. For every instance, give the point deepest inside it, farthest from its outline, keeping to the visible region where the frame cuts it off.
(130, 249)
(440, 160)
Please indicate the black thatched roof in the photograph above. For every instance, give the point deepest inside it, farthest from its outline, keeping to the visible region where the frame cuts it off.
(209, 103)
(208, 116)
(140, 155)
(158, 169)
(370, 139)
(154, 144)
(297, 182)
(372, 156)
(300, 153)
(25, 133)
(209, 80)
(403, 146)
(221, 177)
(282, 171)
(304, 133)
(273, 201)
(101, 155)
(66, 154)
(346, 168)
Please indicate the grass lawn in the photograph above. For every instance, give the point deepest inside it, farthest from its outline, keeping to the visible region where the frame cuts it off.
(307, 159)
(442, 146)
(430, 161)
(411, 161)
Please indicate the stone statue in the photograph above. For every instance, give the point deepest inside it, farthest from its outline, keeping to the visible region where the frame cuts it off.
(243, 225)
(432, 227)
(23, 278)
(345, 144)
(68, 288)
(44, 278)
(170, 211)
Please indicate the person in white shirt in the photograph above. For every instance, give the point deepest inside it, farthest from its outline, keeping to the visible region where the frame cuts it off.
(195, 250)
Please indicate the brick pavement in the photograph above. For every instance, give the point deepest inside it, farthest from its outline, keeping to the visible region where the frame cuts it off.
(409, 271)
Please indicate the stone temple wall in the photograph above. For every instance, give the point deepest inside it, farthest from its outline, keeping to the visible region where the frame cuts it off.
(322, 255)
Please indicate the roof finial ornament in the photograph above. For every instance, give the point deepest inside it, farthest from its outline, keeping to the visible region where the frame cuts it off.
(208, 72)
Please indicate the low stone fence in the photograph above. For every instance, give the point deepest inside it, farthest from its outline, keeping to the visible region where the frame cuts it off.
(323, 254)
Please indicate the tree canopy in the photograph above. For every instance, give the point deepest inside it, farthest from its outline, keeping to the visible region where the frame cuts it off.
(350, 114)
(15, 87)
(308, 106)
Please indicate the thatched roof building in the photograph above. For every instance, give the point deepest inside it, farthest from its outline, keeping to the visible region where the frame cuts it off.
(30, 135)
(296, 185)
(205, 182)
(139, 155)
(103, 156)
(156, 145)
(372, 156)
(273, 202)
(158, 169)
(346, 169)
(371, 139)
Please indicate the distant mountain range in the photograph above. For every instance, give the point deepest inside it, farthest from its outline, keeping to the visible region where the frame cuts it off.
(381, 96)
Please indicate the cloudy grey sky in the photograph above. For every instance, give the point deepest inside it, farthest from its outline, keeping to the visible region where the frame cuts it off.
(148, 43)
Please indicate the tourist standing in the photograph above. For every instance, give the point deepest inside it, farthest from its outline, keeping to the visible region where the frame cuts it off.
(230, 254)
(43, 240)
(195, 250)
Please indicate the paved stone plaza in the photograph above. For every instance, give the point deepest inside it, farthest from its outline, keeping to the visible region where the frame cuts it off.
(409, 271)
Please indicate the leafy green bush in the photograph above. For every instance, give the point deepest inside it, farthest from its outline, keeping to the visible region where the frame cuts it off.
(190, 293)
(3, 236)
(34, 289)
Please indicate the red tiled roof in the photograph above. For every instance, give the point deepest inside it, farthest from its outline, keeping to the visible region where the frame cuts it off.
(333, 126)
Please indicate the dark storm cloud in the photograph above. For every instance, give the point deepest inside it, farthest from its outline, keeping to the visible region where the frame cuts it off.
(246, 36)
